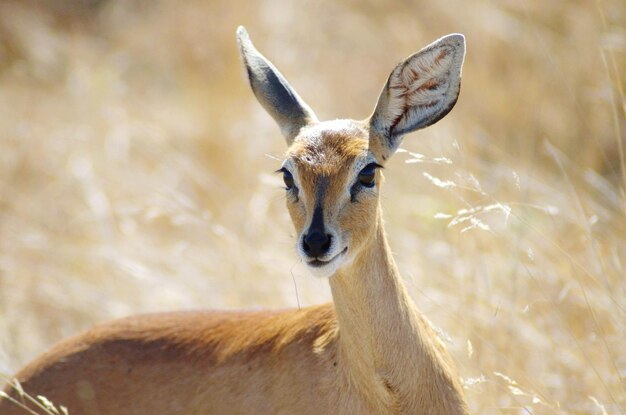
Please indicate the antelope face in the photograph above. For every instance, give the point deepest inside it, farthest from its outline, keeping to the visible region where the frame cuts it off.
(332, 182)
(332, 169)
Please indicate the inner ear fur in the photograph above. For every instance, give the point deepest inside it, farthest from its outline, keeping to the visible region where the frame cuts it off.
(420, 91)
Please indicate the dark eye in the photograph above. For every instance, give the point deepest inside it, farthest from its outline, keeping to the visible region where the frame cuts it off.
(288, 179)
(367, 176)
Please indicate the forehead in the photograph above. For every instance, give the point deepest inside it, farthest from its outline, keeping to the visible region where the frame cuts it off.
(329, 146)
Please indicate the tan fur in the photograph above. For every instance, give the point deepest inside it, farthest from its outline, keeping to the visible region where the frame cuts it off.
(374, 355)
(370, 352)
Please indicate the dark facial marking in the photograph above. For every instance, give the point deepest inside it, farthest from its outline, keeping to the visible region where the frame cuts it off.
(320, 191)
(316, 242)
(317, 223)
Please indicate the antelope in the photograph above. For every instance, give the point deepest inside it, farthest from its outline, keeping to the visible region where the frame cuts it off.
(370, 351)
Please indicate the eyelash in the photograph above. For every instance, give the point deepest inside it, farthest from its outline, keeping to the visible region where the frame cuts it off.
(290, 186)
(360, 184)
(367, 175)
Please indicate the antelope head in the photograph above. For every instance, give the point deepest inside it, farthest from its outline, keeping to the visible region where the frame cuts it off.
(332, 169)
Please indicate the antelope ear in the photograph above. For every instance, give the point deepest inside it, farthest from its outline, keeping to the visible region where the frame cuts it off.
(273, 91)
(420, 91)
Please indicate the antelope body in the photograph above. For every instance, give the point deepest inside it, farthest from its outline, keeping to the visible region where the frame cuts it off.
(369, 352)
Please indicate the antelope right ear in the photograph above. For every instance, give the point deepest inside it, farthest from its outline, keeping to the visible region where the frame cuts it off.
(420, 91)
(273, 91)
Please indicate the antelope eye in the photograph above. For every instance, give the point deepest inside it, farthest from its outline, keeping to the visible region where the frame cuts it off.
(288, 179)
(367, 176)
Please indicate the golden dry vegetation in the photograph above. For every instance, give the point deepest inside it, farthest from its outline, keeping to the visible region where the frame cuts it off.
(136, 176)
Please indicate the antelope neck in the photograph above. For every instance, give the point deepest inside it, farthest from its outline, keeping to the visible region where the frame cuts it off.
(379, 334)
(386, 347)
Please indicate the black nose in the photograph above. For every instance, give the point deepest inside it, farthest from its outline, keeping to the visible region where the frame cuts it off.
(316, 243)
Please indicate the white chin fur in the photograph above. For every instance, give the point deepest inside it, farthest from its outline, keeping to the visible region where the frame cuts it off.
(326, 271)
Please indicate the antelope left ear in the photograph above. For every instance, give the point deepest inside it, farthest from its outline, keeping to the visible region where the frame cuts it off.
(420, 91)
(273, 91)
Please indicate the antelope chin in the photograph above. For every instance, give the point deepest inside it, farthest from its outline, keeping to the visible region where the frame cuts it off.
(326, 269)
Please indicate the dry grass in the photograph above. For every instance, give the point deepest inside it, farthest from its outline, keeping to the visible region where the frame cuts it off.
(134, 176)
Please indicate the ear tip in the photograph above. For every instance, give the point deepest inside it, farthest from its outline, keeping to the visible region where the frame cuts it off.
(241, 31)
(242, 34)
(454, 39)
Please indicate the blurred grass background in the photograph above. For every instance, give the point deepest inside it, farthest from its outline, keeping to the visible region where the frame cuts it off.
(136, 176)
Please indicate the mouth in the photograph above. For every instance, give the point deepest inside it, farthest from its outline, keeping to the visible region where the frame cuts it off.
(318, 263)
